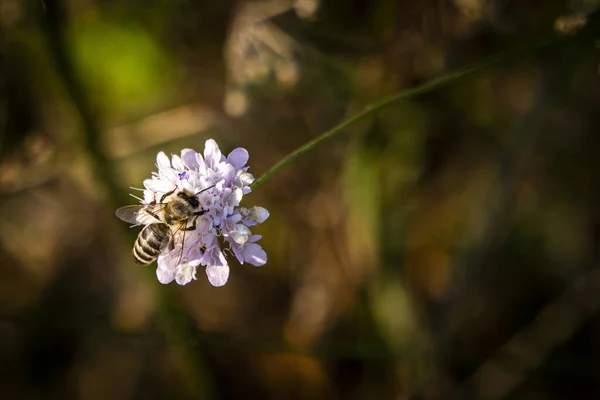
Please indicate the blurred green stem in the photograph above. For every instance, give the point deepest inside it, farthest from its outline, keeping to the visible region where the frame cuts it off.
(172, 319)
(50, 18)
(444, 80)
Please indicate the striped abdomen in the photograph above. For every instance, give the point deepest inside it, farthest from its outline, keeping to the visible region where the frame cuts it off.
(150, 243)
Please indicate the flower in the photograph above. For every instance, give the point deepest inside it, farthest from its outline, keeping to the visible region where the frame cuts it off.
(219, 183)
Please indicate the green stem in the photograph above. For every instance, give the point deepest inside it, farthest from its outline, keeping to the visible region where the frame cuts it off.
(396, 98)
(171, 316)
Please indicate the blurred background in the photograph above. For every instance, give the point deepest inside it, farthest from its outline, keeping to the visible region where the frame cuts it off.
(445, 248)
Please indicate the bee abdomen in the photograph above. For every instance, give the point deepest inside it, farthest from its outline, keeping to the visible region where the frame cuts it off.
(140, 257)
(150, 243)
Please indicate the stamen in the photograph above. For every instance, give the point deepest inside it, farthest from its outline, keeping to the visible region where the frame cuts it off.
(136, 197)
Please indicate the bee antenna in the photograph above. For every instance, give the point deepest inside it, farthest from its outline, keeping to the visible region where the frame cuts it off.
(205, 189)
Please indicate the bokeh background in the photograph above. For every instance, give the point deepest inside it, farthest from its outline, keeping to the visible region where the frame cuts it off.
(445, 248)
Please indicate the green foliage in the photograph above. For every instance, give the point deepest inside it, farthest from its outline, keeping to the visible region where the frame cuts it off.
(121, 64)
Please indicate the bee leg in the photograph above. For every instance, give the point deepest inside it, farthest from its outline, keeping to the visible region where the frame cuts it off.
(164, 196)
(193, 227)
(154, 215)
(201, 212)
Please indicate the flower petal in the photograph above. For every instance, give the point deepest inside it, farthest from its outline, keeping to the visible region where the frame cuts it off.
(238, 157)
(237, 251)
(201, 164)
(162, 161)
(218, 273)
(240, 234)
(227, 172)
(165, 276)
(203, 225)
(169, 175)
(234, 219)
(149, 196)
(254, 254)
(210, 240)
(244, 178)
(212, 153)
(188, 156)
(195, 262)
(185, 274)
(257, 215)
(177, 163)
(160, 186)
(255, 238)
(237, 196)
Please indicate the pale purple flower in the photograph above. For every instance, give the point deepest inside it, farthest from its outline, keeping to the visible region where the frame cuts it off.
(223, 226)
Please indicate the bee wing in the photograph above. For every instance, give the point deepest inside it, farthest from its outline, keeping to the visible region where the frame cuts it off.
(170, 243)
(130, 213)
(140, 214)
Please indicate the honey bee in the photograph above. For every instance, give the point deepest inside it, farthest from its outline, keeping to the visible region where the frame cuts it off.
(163, 221)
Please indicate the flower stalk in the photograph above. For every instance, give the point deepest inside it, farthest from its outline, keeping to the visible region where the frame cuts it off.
(429, 86)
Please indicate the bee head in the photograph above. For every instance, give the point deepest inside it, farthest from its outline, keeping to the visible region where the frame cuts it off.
(192, 200)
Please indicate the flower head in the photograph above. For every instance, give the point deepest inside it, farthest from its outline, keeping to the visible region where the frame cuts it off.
(219, 183)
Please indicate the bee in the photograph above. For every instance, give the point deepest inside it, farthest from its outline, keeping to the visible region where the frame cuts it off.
(163, 221)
